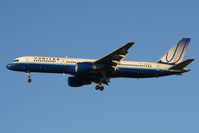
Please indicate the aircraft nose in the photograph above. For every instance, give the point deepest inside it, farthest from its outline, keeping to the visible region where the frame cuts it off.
(9, 66)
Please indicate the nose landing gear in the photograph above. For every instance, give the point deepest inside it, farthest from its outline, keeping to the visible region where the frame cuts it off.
(28, 76)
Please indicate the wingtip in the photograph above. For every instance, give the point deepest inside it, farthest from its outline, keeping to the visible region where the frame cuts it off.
(131, 43)
(187, 38)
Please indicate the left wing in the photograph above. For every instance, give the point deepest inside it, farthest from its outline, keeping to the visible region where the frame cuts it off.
(107, 65)
(115, 57)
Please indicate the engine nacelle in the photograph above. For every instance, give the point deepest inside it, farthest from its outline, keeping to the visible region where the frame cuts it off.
(83, 67)
(77, 82)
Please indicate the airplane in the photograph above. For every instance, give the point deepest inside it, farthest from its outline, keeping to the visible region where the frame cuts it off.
(100, 71)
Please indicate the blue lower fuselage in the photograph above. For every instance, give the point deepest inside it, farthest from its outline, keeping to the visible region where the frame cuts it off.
(122, 71)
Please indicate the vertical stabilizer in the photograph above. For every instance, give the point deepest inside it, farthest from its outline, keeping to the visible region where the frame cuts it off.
(176, 54)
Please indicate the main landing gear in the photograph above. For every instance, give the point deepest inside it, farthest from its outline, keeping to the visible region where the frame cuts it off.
(28, 76)
(98, 87)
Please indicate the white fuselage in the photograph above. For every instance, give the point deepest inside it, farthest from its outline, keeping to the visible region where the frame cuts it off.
(67, 65)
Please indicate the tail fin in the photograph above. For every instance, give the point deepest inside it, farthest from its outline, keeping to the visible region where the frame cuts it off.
(176, 54)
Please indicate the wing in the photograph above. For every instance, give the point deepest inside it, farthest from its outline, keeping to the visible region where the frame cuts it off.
(115, 57)
(107, 65)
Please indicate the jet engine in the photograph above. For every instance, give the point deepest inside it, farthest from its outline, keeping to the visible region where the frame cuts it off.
(83, 67)
(87, 66)
(77, 82)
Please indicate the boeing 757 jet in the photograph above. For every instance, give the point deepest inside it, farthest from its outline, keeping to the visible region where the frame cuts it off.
(100, 71)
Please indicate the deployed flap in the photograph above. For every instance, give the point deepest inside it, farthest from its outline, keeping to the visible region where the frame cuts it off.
(181, 65)
(116, 56)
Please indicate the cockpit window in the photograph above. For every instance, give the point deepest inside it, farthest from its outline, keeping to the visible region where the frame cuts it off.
(15, 61)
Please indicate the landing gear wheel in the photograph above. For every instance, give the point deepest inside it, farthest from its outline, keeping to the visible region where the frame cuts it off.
(29, 80)
(28, 76)
(97, 87)
(101, 88)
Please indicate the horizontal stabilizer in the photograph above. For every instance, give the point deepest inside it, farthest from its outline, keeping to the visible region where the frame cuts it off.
(181, 65)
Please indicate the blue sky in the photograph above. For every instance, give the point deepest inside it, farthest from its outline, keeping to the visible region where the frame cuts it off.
(91, 29)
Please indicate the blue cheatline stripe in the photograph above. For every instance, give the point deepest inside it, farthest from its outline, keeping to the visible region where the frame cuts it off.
(166, 63)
